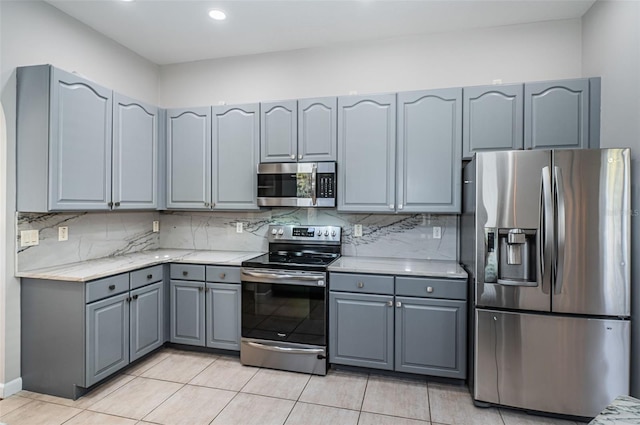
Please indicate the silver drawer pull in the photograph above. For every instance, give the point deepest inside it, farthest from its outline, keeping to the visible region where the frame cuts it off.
(223, 275)
(429, 289)
(360, 285)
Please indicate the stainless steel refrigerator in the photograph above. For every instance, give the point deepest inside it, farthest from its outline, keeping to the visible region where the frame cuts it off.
(545, 237)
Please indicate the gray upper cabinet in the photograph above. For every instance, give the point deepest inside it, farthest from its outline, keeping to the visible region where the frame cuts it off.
(367, 153)
(64, 141)
(188, 158)
(317, 129)
(236, 145)
(429, 151)
(135, 154)
(492, 118)
(556, 114)
(278, 131)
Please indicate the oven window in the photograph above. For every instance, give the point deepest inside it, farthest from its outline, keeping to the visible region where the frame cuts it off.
(284, 185)
(280, 312)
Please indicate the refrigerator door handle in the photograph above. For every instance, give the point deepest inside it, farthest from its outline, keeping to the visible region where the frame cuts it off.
(546, 229)
(560, 229)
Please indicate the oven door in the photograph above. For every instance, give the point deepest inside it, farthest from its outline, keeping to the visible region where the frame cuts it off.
(284, 320)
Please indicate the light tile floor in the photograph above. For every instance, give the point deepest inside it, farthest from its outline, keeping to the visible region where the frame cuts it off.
(178, 387)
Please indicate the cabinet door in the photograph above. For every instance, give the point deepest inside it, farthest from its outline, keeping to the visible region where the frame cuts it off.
(147, 320)
(80, 144)
(107, 337)
(431, 337)
(278, 131)
(135, 154)
(361, 330)
(189, 158)
(556, 114)
(429, 151)
(187, 313)
(492, 119)
(367, 153)
(317, 129)
(223, 316)
(235, 137)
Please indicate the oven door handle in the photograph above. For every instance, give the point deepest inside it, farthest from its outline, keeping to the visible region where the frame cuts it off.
(262, 277)
(286, 349)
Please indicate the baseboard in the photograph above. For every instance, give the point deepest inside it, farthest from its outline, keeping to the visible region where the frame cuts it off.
(10, 388)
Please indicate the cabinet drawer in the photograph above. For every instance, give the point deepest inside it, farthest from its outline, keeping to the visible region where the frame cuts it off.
(107, 287)
(187, 272)
(146, 276)
(364, 283)
(455, 289)
(223, 274)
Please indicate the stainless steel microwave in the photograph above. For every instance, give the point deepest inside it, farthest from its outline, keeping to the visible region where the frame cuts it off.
(305, 184)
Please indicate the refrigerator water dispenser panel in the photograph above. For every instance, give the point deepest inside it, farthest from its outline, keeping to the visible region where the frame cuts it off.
(516, 257)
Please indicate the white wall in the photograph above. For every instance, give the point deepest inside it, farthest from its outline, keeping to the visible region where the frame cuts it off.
(541, 51)
(611, 49)
(33, 32)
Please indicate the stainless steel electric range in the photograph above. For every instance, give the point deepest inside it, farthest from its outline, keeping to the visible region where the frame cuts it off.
(284, 299)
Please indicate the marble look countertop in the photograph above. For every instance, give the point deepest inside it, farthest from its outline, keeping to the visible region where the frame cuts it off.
(624, 410)
(399, 266)
(95, 269)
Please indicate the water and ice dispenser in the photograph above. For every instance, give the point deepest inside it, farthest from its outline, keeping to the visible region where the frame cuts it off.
(510, 256)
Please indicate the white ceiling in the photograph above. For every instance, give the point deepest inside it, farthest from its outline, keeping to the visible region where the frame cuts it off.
(175, 31)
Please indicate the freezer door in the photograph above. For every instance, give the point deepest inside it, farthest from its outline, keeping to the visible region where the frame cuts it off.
(592, 197)
(556, 364)
(512, 192)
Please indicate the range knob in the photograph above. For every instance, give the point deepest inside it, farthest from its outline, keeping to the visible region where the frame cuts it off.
(274, 231)
(319, 232)
(281, 232)
(326, 233)
(333, 233)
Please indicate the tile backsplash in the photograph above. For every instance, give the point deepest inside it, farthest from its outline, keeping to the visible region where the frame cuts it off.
(95, 235)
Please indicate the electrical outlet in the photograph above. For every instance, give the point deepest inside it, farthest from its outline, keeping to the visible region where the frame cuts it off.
(496, 82)
(357, 230)
(156, 226)
(29, 238)
(437, 232)
(239, 227)
(63, 233)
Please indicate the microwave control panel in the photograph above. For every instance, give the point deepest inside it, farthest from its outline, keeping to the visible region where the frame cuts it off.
(326, 185)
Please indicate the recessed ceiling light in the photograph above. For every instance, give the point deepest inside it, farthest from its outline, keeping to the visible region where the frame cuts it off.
(218, 15)
(127, 0)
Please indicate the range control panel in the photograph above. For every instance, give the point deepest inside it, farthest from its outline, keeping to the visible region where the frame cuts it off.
(308, 233)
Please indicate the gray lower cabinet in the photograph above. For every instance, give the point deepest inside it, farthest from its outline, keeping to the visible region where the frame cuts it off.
(361, 330)
(492, 118)
(188, 158)
(146, 320)
(421, 329)
(187, 312)
(76, 334)
(107, 337)
(223, 315)
(557, 114)
(367, 153)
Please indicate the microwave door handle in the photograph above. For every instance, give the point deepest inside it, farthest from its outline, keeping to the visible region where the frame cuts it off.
(561, 231)
(314, 173)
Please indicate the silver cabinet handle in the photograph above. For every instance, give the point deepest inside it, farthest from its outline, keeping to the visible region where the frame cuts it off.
(390, 206)
(400, 206)
(429, 289)
(398, 304)
(293, 156)
(390, 303)
(300, 156)
(360, 285)
(206, 204)
(223, 275)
